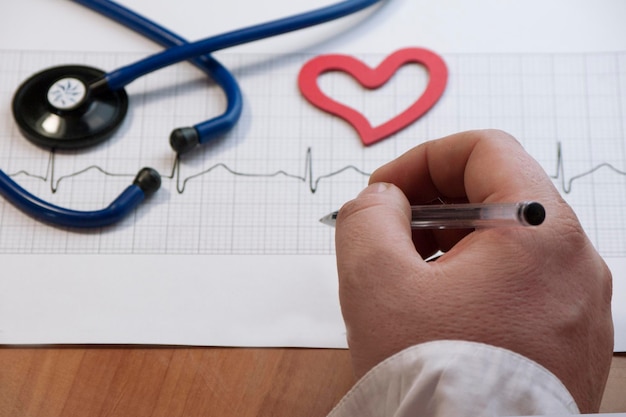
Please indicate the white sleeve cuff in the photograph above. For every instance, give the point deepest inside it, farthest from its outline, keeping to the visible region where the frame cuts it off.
(456, 378)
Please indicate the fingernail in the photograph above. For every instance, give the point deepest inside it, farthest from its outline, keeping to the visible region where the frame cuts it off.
(375, 188)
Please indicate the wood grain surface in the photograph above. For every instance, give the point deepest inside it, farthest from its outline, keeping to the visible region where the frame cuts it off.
(144, 381)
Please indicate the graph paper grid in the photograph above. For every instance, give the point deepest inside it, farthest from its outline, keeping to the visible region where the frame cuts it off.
(261, 188)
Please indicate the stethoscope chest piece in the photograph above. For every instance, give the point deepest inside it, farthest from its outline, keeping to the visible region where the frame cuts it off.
(67, 107)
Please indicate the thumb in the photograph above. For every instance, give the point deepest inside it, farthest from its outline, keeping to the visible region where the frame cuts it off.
(373, 230)
(375, 257)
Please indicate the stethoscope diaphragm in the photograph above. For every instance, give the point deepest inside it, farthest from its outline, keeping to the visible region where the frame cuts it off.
(57, 108)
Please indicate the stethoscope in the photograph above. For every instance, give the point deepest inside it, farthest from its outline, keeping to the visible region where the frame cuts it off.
(73, 107)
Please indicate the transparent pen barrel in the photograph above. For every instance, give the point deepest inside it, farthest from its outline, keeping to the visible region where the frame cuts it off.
(451, 216)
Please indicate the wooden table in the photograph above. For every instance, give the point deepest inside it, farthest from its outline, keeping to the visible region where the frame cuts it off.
(172, 382)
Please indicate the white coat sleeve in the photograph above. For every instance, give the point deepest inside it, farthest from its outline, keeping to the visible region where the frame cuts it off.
(456, 378)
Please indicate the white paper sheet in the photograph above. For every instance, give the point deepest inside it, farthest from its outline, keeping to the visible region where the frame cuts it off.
(171, 300)
(238, 258)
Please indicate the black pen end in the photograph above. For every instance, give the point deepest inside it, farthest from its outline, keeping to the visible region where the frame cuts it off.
(533, 213)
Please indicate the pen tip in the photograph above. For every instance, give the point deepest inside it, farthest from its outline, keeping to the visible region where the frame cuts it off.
(329, 219)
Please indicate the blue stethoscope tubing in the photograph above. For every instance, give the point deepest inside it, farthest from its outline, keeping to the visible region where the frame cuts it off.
(125, 75)
(47, 212)
(148, 180)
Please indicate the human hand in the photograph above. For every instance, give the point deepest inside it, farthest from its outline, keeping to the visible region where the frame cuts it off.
(543, 292)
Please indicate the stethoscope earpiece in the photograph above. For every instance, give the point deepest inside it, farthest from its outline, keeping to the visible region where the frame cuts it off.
(184, 139)
(68, 107)
(149, 180)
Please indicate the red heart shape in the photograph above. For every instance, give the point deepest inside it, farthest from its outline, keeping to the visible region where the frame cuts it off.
(372, 79)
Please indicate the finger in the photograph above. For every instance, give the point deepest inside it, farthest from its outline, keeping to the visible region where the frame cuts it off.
(375, 260)
(374, 244)
(377, 222)
(481, 166)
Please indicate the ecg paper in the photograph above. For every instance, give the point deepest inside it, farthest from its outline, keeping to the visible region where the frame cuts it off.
(248, 204)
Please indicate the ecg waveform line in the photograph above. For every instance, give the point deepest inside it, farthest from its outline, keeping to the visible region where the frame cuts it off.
(567, 183)
(307, 176)
(50, 171)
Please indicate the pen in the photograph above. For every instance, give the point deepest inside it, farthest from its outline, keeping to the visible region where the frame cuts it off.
(465, 216)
